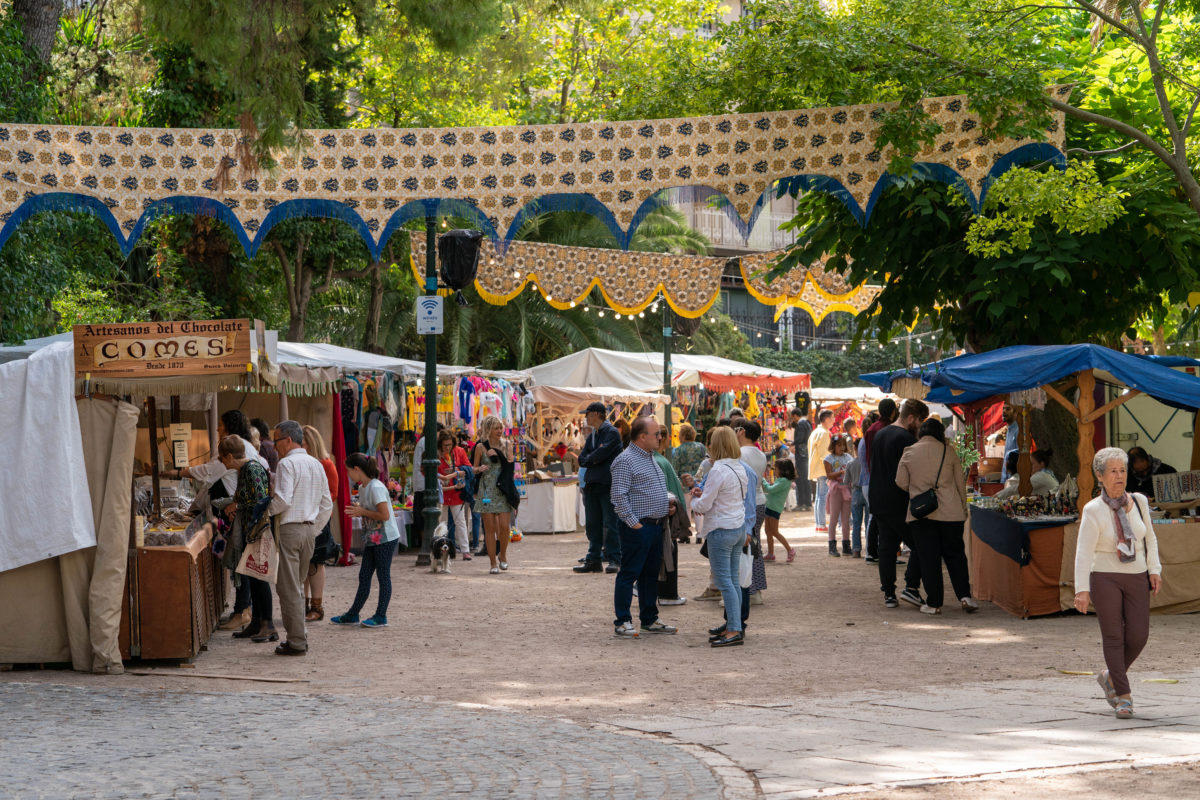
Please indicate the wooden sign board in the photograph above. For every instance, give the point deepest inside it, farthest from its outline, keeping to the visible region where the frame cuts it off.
(162, 349)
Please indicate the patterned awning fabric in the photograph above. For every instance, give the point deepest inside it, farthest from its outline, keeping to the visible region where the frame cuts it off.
(630, 280)
(378, 179)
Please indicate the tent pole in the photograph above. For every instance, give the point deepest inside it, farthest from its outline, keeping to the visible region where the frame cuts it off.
(1087, 447)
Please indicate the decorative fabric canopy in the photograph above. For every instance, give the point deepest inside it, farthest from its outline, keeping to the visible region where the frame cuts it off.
(630, 280)
(378, 179)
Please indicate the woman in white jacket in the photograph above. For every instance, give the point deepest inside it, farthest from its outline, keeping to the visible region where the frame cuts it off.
(1116, 569)
(722, 502)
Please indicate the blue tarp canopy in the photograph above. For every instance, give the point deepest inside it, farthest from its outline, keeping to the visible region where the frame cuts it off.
(967, 378)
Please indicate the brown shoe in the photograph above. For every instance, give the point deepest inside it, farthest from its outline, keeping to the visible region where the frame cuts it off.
(286, 649)
(315, 612)
(236, 622)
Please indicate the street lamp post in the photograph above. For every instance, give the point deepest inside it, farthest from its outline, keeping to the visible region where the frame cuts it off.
(429, 458)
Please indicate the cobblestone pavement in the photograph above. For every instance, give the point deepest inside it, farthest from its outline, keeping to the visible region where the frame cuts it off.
(67, 742)
(868, 741)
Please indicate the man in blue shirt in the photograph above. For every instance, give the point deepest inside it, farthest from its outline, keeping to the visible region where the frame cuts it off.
(603, 445)
(642, 502)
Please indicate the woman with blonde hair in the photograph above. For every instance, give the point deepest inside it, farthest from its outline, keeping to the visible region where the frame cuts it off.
(323, 549)
(496, 497)
(723, 504)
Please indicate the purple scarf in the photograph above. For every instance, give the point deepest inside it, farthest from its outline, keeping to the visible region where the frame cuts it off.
(1126, 542)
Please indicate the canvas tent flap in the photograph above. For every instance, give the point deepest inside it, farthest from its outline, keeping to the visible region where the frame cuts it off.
(568, 401)
(109, 434)
(967, 378)
(42, 430)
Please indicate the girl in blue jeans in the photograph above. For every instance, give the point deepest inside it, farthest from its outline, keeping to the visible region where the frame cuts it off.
(380, 535)
(722, 502)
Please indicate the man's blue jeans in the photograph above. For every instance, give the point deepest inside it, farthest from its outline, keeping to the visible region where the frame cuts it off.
(641, 558)
(600, 522)
(858, 515)
(822, 499)
(725, 554)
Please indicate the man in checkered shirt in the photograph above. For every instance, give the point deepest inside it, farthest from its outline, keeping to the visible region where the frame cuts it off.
(642, 502)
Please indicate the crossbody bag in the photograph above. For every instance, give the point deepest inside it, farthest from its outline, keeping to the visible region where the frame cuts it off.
(924, 504)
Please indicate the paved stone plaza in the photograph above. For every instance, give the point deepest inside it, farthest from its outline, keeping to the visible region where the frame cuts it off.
(129, 743)
(853, 742)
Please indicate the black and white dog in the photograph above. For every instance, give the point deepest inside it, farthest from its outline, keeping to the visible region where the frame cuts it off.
(440, 550)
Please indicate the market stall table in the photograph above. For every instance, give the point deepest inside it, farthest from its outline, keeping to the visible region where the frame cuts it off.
(1015, 563)
(174, 595)
(1179, 552)
(550, 506)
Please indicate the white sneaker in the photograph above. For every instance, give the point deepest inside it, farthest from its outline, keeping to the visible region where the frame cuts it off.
(678, 601)
(756, 599)
(930, 610)
(626, 630)
(970, 605)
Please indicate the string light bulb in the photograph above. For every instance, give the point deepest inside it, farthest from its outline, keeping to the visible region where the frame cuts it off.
(573, 304)
(517, 274)
(618, 316)
(601, 313)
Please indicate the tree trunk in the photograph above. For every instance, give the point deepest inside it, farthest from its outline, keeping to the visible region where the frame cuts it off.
(370, 341)
(1160, 342)
(39, 20)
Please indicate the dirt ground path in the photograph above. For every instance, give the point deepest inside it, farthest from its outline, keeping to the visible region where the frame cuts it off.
(539, 638)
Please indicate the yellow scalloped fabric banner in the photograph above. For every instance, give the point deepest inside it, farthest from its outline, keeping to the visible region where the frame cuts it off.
(630, 281)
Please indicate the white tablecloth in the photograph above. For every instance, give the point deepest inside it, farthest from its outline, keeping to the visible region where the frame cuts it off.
(549, 508)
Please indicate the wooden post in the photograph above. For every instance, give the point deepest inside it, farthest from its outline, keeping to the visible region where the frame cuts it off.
(1024, 443)
(212, 426)
(152, 413)
(1196, 441)
(1087, 449)
(283, 404)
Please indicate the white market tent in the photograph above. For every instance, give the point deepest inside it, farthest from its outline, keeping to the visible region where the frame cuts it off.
(868, 397)
(567, 401)
(643, 372)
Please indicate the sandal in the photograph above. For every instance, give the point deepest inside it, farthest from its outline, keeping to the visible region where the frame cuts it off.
(769, 557)
(494, 571)
(1124, 709)
(791, 555)
(1110, 693)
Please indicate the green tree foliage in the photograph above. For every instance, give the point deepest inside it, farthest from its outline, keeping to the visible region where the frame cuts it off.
(23, 97)
(1062, 288)
(100, 60)
(834, 369)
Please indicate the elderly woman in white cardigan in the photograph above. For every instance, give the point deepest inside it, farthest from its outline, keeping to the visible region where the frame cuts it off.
(1116, 569)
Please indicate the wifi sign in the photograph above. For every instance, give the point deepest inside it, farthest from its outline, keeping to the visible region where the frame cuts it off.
(429, 315)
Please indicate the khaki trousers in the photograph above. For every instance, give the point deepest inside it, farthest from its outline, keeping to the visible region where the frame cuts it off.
(296, 541)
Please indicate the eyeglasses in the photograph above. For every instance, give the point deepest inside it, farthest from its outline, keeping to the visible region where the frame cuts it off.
(277, 441)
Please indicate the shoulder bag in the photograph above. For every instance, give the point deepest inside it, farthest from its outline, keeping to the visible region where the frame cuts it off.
(924, 504)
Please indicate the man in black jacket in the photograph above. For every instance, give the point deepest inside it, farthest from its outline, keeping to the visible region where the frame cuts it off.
(603, 445)
(889, 503)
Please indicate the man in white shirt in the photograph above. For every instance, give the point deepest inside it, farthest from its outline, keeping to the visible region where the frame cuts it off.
(818, 448)
(302, 506)
(748, 432)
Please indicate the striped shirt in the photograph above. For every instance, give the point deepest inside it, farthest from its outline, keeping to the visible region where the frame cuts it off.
(639, 489)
